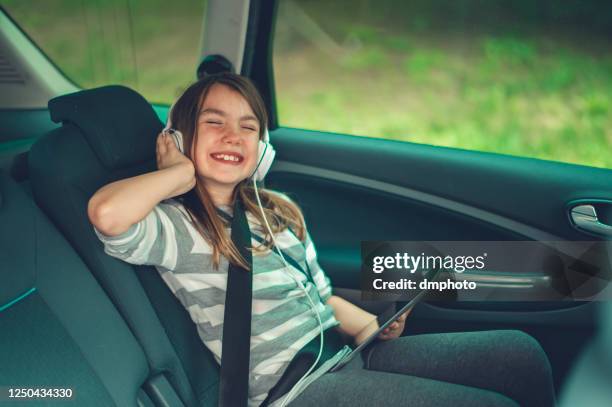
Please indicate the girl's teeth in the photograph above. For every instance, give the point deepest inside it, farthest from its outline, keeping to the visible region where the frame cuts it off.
(227, 157)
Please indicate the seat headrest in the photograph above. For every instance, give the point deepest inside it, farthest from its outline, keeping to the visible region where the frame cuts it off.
(118, 123)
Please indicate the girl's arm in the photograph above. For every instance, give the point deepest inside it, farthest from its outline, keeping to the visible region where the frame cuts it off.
(360, 324)
(120, 204)
(354, 321)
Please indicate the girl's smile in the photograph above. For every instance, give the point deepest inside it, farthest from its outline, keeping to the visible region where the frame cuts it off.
(228, 157)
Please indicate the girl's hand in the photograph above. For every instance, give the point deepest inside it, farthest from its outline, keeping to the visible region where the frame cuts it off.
(395, 329)
(168, 154)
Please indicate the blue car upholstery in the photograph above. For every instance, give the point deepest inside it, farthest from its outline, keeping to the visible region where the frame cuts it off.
(58, 329)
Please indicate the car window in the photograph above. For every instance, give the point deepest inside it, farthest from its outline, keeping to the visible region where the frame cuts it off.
(151, 46)
(524, 78)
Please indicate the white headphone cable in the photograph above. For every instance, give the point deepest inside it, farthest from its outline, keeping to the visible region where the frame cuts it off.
(314, 308)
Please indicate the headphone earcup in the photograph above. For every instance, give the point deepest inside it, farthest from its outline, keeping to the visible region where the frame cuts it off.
(265, 157)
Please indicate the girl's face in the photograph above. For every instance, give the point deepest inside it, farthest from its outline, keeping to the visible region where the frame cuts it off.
(228, 136)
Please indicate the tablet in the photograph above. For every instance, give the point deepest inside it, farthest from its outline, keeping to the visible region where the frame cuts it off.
(432, 275)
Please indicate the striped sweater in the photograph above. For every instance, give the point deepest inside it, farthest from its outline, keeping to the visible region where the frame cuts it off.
(282, 318)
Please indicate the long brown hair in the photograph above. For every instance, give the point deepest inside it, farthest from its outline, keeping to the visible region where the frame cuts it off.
(280, 212)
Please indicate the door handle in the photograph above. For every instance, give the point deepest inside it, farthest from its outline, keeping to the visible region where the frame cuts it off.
(585, 218)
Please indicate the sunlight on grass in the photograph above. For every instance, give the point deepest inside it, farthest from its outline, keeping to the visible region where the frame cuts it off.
(498, 94)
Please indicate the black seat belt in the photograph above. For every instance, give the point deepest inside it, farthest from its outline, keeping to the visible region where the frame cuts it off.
(236, 340)
(286, 255)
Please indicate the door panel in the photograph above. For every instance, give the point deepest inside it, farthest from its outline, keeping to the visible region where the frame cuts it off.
(391, 195)
(532, 192)
(357, 188)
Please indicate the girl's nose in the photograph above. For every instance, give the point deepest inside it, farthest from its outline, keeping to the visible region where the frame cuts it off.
(231, 136)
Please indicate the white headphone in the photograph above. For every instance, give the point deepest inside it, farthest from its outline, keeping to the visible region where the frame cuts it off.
(265, 153)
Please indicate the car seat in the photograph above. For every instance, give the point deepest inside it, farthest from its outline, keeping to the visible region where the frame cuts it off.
(58, 329)
(108, 134)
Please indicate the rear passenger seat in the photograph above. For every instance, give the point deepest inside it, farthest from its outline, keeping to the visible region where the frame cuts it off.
(58, 329)
(108, 134)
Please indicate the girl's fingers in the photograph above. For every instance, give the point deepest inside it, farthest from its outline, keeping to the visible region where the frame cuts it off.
(384, 336)
(403, 317)
(170, 143)
(160, 149)
(162, 144)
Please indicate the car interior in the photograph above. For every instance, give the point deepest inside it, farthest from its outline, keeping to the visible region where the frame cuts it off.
(72, 316)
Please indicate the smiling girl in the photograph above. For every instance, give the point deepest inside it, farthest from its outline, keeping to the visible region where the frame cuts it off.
(177, 219)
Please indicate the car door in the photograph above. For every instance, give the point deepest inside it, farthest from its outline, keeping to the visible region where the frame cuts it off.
(355, 189)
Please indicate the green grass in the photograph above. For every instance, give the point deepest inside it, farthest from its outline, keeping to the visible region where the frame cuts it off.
(521, 90)
(505, 94)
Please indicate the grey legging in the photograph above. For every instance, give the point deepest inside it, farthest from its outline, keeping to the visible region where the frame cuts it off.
(487, 368)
